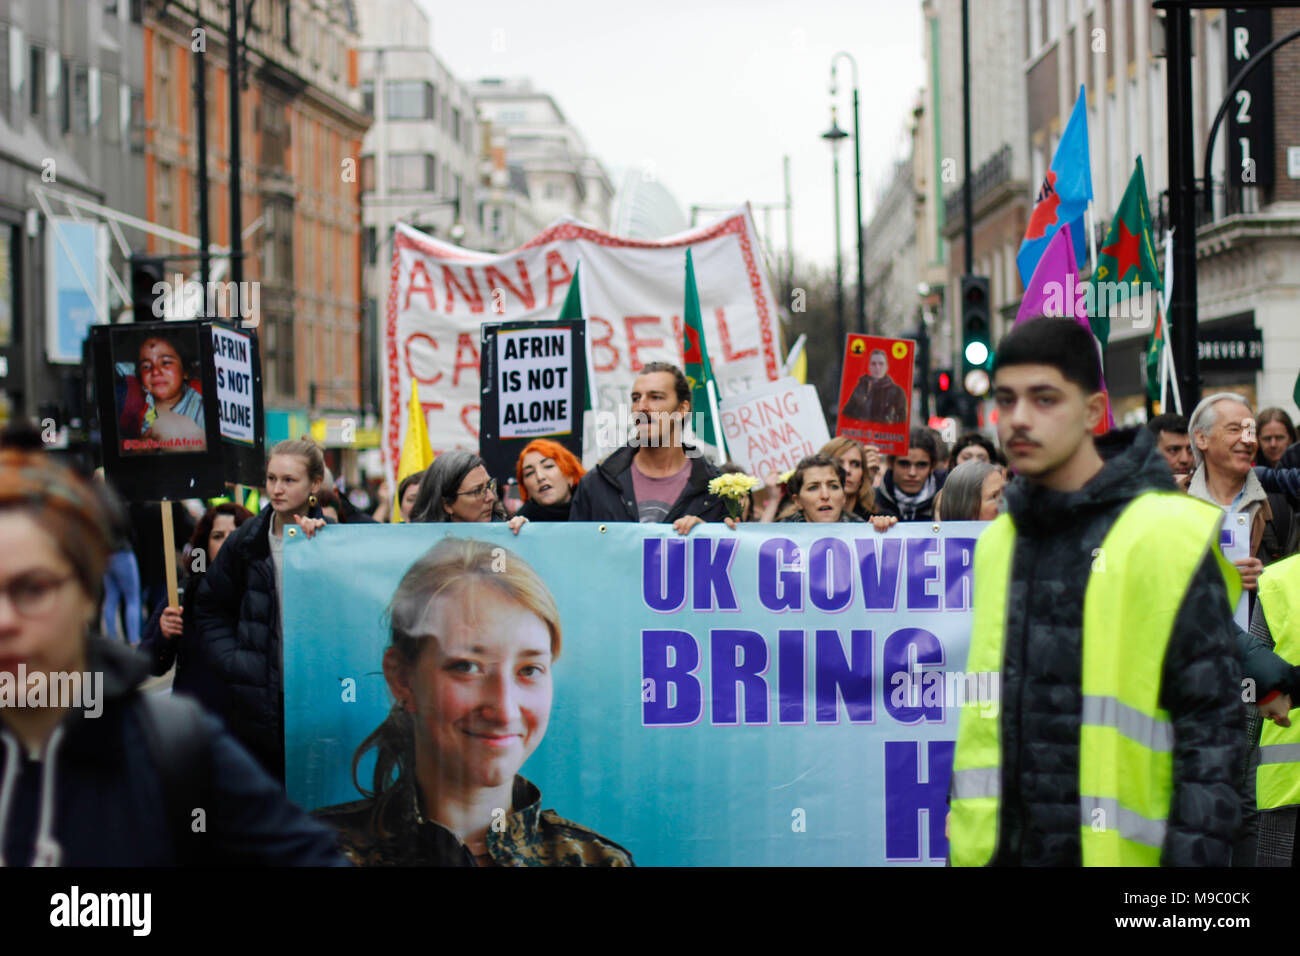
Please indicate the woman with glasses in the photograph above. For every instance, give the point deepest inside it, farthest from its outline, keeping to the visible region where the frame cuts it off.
(456, 487)
(98, 773)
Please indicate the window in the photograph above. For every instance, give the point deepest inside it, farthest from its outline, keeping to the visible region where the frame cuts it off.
(36, 80)
(135, 120)
(412, 172)
(163, 98)
(368, 98)
(163, 194)
(110, 110)
(554, 191)
(81, 100)
(1035, 26)
(455, 124)
(446, 178)
(287, 10)
(408, 99)
(5, 66)
(65, 97)
(370, 245)
(367, 174)
(496, 222)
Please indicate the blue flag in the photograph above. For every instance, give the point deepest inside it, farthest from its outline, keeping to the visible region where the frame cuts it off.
(1063, 197)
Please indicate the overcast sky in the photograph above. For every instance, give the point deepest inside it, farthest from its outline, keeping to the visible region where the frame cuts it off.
(712, 93)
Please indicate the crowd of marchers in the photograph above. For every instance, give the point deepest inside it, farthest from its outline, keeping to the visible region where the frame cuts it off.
(1212, 782)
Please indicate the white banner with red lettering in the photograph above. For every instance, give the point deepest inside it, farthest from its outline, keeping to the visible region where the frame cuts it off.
(632, 296)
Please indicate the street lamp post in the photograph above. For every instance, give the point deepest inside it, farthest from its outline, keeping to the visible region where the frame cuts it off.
(857, 189)
(835, 136)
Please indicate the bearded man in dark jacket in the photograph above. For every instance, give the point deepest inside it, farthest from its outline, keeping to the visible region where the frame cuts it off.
(1069, 494)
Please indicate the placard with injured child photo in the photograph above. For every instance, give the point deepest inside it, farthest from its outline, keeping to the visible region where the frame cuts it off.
(158, 391)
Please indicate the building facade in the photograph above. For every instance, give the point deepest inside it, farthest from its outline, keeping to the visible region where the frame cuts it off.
(891, 257)
(301, 130)
(544, 158)
(1248, 243)
(421, 156)
(71, 128)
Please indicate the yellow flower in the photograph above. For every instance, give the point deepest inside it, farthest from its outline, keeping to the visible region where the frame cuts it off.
(733, 486)
(785, 478)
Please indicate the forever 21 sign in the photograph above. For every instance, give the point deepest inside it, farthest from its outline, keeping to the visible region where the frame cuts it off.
(1250, 113)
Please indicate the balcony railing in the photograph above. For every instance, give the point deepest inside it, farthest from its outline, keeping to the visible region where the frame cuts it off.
(995, 171)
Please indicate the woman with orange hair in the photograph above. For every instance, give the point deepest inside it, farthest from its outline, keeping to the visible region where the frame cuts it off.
(547, 472)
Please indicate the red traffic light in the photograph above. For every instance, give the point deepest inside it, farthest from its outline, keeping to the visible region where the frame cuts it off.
(945, 381)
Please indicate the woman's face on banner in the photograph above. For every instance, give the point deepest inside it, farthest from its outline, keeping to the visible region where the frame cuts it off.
(481, 690)
(161, 371)
(544, 481)
(822, 495)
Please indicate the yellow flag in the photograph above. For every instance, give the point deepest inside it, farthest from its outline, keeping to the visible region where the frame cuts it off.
(417, 453)
(800, 370)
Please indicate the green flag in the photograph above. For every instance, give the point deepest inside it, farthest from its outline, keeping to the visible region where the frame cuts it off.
(695, 359)
(1127, 259)
(1155, 352)
(572, 309)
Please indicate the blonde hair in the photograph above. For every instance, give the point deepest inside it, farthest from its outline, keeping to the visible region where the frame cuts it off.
(449, 567)
(307, 450)
(835, 448)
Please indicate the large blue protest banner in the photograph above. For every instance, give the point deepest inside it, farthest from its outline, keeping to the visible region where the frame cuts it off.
(778, 695)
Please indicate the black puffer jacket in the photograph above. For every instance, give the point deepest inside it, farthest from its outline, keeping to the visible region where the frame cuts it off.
(191, 677)
(606, 492)
(1042, 699)
(238, 617)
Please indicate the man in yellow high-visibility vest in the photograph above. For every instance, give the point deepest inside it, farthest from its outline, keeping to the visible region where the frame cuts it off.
(1103, 612)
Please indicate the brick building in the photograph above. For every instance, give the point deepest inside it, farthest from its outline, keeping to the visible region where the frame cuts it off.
(301, 136)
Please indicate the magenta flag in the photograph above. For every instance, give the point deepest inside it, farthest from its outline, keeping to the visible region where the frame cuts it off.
(1054, 289)
(1055, 292)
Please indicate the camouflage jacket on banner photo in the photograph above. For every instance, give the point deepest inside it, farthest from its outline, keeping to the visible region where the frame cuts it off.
(531, 836)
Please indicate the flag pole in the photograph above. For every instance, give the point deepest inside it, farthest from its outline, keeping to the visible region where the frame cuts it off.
(711, 387)
(1168, 360)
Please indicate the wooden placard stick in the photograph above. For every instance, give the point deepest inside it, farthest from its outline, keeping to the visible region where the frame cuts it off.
(169, 553)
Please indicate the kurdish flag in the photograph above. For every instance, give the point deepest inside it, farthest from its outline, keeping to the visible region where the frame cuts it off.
(1063, 197)
(572, 309)
(1127, 260)
(695, 360)
(1155, 347)
(417, 454)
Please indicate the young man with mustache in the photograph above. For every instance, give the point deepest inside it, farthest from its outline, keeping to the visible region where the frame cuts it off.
(1104, 606)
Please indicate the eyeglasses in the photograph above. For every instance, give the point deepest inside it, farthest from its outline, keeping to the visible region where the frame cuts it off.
(481, 492)
(33, 595)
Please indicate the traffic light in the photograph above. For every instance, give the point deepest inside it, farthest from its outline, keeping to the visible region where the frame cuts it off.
(976, 345)
(945, 394)
(145, 276)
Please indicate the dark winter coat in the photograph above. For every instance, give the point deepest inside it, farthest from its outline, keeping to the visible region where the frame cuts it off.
(192, 678)
(99, 798)
(606, 492)
(887, 500)
(1042, 701)
(238, 616)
